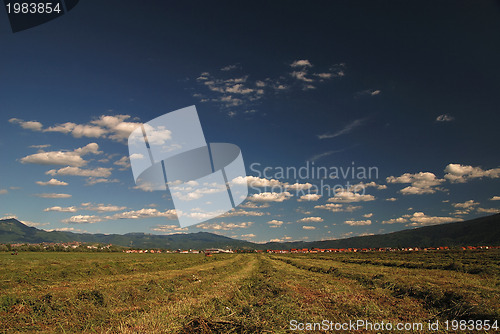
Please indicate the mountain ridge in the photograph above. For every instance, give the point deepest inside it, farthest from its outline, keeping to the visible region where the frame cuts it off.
(479, 231)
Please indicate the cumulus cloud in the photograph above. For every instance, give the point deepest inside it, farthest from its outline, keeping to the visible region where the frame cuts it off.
(309, 197)
(310, 220)
(53, 195)
(461, 173)
(224, 226)
(83, 219)
(240, 212)
(483, 210)
(61, 209)
(270, 197)
(421, 219)
(28, 125)
(143, 213)
(347, 129)
(358, 222)
(124, 162)
(368, 215)
(301, 63)
(391, 199)
(76, 171)
(169, 228)
(331, 207)
(421, 183)
(495, 198)
(275, 223)
(444, 118)
(350, 197)
(68, 158)
(52, 182)
(305, 227)
(102, 207)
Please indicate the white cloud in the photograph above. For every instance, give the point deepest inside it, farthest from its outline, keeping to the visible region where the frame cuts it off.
(93, 180)
(224, 226)
(466, 205)
(76, 171)
(28, 125)
(69, 158)
(350, 197)
(391, 199)
(360, 187)
(445, 118)
(331, 207)
(309, 197)
(53, 195)
(310, 220)
(257, 182)
(275, 223)
(52, 182)
(249, 235)
(270, 197)
(305, 227)
(240, 212)
(461, 173)
(495, 198)
(83, 219)
(102, 207)
(229, 68)
(301, 63)
(169, 228)
(298, 186)
(124, 162)
(368, 215)
(61, 209)
(483, 210)
(399, 220)
(420, 219)
(143, 213)
(358, 222)
(136, 156)
(347, 129)
(421, 183)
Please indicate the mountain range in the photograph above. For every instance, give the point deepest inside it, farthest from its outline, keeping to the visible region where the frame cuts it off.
(475, 232)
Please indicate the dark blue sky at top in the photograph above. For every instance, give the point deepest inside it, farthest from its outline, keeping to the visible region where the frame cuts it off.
(427, 58)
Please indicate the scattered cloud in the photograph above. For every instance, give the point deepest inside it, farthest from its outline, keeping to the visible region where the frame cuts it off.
(350, 197)
(65, 158)
(457, 173)
(345, 130)
(305, 227)
(270, 197)
(124, 161)
(421, 219)
(358, 222)
(28, 125)
(310, 220)
(495, 198)
(83, 219)
(444, 118)
(169, 228)
(61, 209)
(275, 223)
(53, 195)
(391, 199)
(309, 198)
(224, 226)
(52, 182)
(368, 215)
(144, 213)
(483, 210)
(421, 183)
(76, 171)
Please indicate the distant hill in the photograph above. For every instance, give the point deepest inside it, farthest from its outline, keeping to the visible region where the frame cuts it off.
(479, 231)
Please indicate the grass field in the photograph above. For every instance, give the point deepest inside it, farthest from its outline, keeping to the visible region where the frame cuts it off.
(243, 293)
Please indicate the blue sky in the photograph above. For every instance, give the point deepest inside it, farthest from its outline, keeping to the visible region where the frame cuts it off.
(409, 89)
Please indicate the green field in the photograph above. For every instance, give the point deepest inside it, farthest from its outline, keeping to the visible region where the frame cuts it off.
(46, 292)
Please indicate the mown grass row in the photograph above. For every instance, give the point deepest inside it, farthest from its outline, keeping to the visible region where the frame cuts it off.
(485, 262)
(452, 295)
